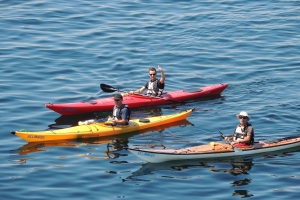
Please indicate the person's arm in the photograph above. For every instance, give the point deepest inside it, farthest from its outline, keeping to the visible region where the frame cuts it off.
(139, 91)
(121, 121)
(245, 140)
(163, 77)
(116, 121)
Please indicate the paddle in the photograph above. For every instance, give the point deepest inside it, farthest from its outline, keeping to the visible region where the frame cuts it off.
(109, 89)
(234, 147)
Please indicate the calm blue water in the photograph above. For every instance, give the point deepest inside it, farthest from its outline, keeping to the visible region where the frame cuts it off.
(60, 51)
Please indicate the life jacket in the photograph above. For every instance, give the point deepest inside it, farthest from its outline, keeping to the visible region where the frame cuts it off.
(241, 133)
(117, 113)
(155, 88)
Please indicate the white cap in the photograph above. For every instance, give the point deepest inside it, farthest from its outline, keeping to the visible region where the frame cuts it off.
(243, 113)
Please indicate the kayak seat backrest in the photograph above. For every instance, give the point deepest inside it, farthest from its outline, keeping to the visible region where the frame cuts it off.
(143, 120)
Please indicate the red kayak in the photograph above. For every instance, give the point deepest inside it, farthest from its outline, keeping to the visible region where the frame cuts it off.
(136, 100)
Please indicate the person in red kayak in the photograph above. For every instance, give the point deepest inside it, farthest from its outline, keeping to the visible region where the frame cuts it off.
(154, 86)
(244, 132)
(121, 112)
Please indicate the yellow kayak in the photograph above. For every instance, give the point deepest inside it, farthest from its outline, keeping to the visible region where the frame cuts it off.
(100, 129)
(119, 141)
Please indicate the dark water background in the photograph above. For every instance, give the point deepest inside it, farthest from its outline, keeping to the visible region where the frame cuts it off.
(60, 51)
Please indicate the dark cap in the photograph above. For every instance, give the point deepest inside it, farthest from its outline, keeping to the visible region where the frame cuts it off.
(118, 96)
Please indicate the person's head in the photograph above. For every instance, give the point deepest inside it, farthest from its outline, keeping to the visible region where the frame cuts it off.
(243, 117)
(118, 98)
(152, 73)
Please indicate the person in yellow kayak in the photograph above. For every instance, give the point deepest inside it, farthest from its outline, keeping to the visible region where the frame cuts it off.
(244, 132)
(121, 112)
(154, 86)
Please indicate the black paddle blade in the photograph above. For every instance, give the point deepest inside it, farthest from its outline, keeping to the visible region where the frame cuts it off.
(107, 88)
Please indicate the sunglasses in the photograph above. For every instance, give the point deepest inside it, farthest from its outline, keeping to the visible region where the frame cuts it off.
(117, 99)
(152, 74)
(243, 117)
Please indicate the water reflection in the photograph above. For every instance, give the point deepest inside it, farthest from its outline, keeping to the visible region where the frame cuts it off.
(238, 166)
(242, 193)
(234, 168)
(241, 182)
(150, 168)
(39, 147)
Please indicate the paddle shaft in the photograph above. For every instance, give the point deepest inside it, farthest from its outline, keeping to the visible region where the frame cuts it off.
(108, 88)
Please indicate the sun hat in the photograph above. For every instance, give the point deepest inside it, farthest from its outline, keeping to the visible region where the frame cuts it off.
(243, 113)
(118, 96)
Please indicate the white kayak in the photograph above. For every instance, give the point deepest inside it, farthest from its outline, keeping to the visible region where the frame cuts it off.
(213, 150)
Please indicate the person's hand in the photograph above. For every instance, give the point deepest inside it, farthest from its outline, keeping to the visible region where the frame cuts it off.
(110, 121)
(227, 138)
(159, 68)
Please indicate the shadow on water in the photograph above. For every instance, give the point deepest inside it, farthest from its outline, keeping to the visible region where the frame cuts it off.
(114, 143)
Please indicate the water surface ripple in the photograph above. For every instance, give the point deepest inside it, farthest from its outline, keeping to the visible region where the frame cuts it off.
(60, 51)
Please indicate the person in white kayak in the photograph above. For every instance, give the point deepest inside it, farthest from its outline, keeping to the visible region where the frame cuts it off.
(154, 86)
(244, 132)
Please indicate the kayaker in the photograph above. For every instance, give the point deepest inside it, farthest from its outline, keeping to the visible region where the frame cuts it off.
(121, 112)
(244, 132)
(154, 86)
